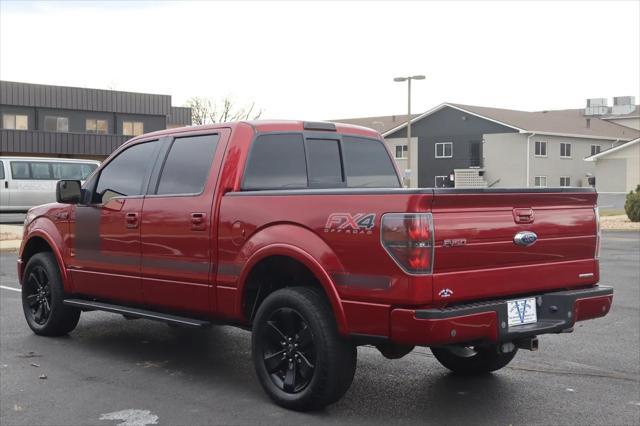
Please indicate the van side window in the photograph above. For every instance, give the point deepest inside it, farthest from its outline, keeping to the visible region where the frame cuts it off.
(40, 171)
(187, 165)
(76, 171)
(1, 170)
(126, 174)
(276, 161)
(20, 170)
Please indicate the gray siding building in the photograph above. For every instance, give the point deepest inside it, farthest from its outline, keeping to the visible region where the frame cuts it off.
(445, 141)
(455, 145)
(76, 122)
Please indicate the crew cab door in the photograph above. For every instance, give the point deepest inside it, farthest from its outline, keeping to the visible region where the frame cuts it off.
(105, 250)
(179, 229)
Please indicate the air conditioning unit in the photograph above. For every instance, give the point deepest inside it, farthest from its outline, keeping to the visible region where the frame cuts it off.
(596, 106)
(623, 105)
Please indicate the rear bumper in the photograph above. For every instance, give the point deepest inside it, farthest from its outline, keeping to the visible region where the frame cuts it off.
(487, 321)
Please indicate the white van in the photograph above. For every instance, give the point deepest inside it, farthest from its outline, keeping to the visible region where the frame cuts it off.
(30, 181)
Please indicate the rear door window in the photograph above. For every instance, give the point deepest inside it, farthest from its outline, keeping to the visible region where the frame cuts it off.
(126, 174)
(187, 165)
(368, 164)
(276, 161)
(325, 163)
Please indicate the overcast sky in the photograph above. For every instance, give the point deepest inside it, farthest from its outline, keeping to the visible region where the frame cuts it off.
(326, 60)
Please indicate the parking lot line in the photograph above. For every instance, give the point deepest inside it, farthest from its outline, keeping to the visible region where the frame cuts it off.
(10, 288)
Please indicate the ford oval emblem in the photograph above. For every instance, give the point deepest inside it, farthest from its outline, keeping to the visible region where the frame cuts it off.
(525, 238)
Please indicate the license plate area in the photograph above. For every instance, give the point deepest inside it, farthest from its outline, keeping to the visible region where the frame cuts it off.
(521, 311)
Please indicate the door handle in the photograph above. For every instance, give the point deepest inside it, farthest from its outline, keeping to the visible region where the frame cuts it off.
(198, 221)
(132, 220)
(6, 184)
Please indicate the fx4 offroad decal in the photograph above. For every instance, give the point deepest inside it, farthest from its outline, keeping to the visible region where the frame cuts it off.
(359, 223)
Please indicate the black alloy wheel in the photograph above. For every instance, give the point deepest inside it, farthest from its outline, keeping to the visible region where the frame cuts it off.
(289, 350)
(38, 294)
(301, 360)
(43, 297)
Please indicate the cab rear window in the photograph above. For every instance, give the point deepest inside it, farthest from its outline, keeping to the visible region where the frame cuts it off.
(299, 161)
(367, 164)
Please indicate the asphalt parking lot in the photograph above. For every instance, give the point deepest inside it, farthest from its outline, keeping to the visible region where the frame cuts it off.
(178, 376)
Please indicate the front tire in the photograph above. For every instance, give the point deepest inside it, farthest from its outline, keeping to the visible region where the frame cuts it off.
(42, 296)
(471, 360)
(301, 360)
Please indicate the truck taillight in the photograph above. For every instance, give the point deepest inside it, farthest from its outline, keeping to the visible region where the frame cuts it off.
(408, 238)
(596, 255)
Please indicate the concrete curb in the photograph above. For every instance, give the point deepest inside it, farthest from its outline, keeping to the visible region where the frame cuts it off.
(10, 245)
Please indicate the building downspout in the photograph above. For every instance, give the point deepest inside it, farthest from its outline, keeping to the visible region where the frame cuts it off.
(529, 159)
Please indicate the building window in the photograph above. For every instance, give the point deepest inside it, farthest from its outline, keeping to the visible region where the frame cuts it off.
(565, 181)
(13, 121)
(444, 150)
(565, 150)
(132, 128)
(441, 181)
(97, 126)
(595, 149)
(541, 181)
(541, 149)
(56, 124)
(402, 151)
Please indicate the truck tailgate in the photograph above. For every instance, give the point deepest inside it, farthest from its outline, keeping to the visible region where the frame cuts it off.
(477, 255)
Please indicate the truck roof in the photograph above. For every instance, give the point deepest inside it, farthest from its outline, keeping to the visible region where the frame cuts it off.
(272, 126)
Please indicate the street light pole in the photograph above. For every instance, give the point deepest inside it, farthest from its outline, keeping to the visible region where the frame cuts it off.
(409, 133)
(408, 80)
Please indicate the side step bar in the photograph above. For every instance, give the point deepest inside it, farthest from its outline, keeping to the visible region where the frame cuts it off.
(136, 313)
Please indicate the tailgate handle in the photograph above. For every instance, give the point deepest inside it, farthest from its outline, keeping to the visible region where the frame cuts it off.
(523, 215)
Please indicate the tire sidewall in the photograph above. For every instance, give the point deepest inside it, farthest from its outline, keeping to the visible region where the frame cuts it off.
(283, 299)
(48, 263)
(486, 360)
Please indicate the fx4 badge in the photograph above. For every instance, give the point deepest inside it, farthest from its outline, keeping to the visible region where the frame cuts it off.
(347, 223)
(445, 292)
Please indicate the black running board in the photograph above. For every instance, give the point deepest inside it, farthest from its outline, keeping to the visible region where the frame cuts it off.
(136, 313)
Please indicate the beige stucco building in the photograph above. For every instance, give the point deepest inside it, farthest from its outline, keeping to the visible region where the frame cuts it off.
(617, 170)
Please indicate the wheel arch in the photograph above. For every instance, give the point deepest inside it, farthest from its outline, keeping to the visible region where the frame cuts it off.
(301, 257)
(39, 241)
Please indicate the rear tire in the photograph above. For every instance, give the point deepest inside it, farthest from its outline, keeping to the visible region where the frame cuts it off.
(42, 296)
(470, 360)
(301, 360)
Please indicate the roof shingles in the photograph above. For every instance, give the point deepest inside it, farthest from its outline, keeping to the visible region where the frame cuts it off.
(568, 122)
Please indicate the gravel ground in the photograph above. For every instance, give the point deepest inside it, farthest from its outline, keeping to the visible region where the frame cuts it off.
(619, 223)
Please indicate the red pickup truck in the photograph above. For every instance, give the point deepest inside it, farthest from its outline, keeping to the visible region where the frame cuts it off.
(302, 233)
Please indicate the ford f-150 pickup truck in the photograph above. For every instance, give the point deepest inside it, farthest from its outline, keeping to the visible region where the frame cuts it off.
(302, 233)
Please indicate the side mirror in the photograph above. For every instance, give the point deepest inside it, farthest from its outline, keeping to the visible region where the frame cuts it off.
(68, 191)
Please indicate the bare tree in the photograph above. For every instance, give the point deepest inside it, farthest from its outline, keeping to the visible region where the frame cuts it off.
(208, 111)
